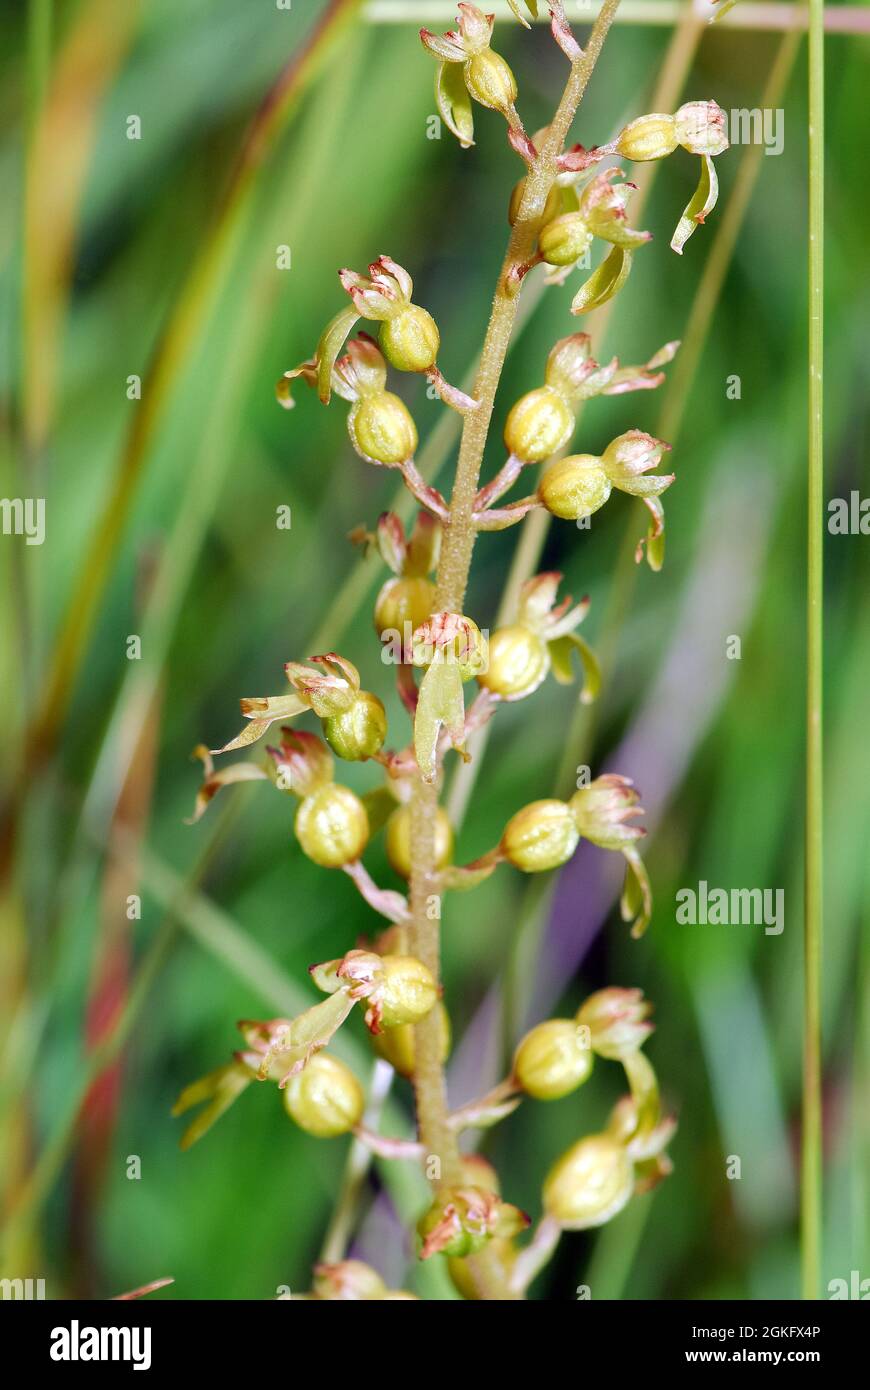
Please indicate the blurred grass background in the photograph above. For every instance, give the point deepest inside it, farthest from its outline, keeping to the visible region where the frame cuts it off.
(156, 257)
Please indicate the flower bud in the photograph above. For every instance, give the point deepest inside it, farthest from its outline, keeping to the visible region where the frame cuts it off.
(358, 732)
(617, 1021)
(603, 809)
(540, 836)
(324, 1098)
(490, 81)
(574, 487)
(404, 600)
(348, 1280)
(450, 639)
(538, 425)
(396, 1045)
(551, 1060)
(589, 1184)
(410, 340)
(563, 241)
(701, 128)
(382, 430)
(648, 137)
(518, 662)
(398, 840)
(462, 1220)
(301, 763)
(332, 826)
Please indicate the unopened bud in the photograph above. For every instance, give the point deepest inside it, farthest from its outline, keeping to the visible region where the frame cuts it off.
(398, 840)
(538, 425)
(358, 732)
(518, 662)
(541, 836)
(332, 826)
(551, 1061)
(617, 1021)
(574, 487)
(589, 1184)
(563, 241)
(701, 128)
(648, 137)
(324, 1098)
(382, 430)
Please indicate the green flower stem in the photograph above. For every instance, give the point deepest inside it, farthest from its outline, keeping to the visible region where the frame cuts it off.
(424, 935)
(811, 1142)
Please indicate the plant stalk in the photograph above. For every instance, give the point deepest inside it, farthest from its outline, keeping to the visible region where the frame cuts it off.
(438, 1139)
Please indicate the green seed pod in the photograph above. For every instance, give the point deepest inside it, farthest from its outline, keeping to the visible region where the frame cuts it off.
(381, 429)
(551, 1060)
(325, 1098)
(398, 840)
(403, 600)
(396, 1045)
(490, 81)
(332, 826)
(406, 991)
(648, 137)
(540, 836)
(574, 487)
(563, 241)
(410, 339)
(519, 660)
(589, 1184)
(538, 425)
(358, 732)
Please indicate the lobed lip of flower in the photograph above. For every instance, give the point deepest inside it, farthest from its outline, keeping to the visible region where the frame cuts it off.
(383, 292)
(458, 45)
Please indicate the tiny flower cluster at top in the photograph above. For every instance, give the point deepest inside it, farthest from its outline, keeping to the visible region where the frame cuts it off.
(451, 677)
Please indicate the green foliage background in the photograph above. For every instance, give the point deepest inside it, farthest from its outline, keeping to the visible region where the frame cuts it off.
(349, 174)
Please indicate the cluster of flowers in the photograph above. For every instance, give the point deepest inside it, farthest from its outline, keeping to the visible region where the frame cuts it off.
(438, 656)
